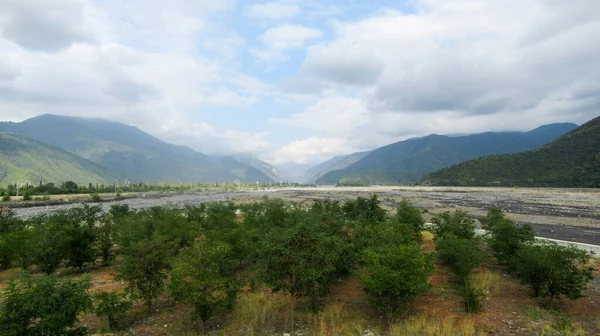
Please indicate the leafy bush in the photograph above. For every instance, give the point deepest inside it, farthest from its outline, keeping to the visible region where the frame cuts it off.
(6, 198)
(505, 239)
(44, 307)
(472, 297)
(27, 197)
(300, 260)
(144, 269)
(112, 307)
(552, 270)
(461, 255)
(458, 223)
(203, 277)
(394, 275)
(95, 198)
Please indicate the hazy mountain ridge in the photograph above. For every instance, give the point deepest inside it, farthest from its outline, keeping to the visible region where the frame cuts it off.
(573, 160)
(131, 152)
(335, 163)
(264, 167)
(24, 160)
(406, 162)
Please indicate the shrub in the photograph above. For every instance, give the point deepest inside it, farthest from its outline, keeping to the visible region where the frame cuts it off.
(552, 270)
(203, 277)
(394, 275)
(96, 198)
(6, 198)
(461, 255)
(27, 197)
(144, 269)
(44, 307)
(472, 297)
(112, 307)
(300, 260)
(505, 239)
(459, 223)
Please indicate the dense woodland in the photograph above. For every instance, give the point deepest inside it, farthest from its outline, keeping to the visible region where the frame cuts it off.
(206, 256)
(572, 161)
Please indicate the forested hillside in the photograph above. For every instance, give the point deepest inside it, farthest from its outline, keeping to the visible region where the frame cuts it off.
(25, 160)
(406, 162)
(131, 152)
(573, 160)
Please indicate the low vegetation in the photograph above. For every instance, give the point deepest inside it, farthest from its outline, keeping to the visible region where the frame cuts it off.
(266, 268)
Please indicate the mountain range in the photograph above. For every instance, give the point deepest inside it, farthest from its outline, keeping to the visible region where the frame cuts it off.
(129, 152)
(24, 160)
(406, 162)
(573, 160)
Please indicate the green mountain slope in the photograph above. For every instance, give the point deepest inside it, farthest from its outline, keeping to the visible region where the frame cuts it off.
(572, 160)
(335, 163)
(131, 152)
(406, 162)
(26, 160)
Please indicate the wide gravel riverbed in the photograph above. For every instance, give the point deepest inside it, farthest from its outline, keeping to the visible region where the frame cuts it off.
(565, 214)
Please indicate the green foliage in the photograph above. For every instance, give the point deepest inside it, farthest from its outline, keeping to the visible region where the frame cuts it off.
(552, 270)
(300, 260)
(394, 275)
(6, 198)
(27, 197)
(49, 246)
(460, 254)
(505, 238)
(458, 223)
(472, 297)
(44, 307)
(203, 278)
(144, 269)
(112, 307)
(95, 198)
(572, 161)
(408, 214)
(368, 210)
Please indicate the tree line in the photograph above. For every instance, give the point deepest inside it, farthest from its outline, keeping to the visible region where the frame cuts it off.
(204, 255)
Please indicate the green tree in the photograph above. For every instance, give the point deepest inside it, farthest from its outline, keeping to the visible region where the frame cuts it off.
(393, 276)
(300, 260)
(48, 246)
(408, 214)
(44, 307)
(552, 270)
(112, 307)
(203, 278)
(459, 223)
(505, 239)
(461, 255)
(145, 270)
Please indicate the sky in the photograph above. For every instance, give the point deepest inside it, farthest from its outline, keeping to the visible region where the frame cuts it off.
(297, 82)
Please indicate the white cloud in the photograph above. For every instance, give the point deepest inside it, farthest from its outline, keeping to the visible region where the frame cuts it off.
(273, 11)
(460, 66)
(278, 40)
(309, 150)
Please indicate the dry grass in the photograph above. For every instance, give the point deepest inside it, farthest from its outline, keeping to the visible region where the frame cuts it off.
(254, 311)
(488, 281)
(429, 326)
(336, 320)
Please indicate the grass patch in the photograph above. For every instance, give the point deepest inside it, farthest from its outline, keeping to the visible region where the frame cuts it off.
(428, 326)
(254, 311)
(488, 281)
(335, 320)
